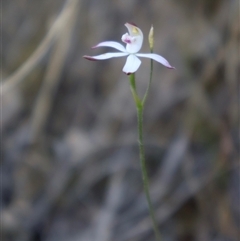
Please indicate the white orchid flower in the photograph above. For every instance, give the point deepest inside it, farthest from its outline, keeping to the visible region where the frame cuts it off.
(133, 40)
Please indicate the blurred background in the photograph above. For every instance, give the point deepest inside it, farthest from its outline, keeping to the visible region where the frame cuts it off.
(69, 162)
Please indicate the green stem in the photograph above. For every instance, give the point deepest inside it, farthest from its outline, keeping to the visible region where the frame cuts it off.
(133, 90)
(140, 108)
(144, 170)
(150, 81)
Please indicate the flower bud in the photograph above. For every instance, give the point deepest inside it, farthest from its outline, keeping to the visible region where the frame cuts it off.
(151, 38)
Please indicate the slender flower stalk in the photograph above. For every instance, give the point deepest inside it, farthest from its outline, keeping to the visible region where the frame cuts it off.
(134, 40)
(140, 107)
(151, 44)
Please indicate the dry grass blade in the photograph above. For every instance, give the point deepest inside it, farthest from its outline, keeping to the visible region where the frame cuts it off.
(46, 95)
(58, 26)
(107, 215)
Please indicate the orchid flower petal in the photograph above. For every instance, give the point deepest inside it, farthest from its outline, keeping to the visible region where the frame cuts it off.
(158, 58)
(134, 39)
(111, 44)
(132, 64)
(105, 56)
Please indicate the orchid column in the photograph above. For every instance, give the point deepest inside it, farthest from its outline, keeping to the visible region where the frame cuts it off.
(133, 40)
